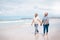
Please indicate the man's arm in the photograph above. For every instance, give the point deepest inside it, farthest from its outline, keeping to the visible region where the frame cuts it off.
(47, 21)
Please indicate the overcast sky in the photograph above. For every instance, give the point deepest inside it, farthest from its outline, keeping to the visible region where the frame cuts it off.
(29, 7)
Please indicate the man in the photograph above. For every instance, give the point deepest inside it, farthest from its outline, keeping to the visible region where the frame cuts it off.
(45, 22)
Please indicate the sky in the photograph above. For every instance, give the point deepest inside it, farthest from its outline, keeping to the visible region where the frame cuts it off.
(27, 8)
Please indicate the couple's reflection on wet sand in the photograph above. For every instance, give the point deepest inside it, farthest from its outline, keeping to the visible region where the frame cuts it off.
(36, 36)
(46, 37)
(41, 37)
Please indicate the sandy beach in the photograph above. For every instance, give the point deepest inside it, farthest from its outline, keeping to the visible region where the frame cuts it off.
(22, 30)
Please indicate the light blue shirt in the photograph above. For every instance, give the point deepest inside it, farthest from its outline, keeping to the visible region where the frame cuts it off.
(45, 18)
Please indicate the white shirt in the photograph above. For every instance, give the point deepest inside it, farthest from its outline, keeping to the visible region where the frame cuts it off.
(36, 20)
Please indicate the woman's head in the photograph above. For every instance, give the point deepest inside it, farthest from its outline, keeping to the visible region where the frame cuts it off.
(36, 14)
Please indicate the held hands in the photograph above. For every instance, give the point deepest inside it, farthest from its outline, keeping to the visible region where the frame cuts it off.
(41, 24)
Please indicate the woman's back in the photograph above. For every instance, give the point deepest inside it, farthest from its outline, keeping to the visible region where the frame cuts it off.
(36, 20)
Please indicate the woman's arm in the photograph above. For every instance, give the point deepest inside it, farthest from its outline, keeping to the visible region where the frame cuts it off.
(40, 22)
(32, 22)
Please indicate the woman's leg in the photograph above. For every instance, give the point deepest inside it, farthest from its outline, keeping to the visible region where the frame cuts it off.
(36, 28)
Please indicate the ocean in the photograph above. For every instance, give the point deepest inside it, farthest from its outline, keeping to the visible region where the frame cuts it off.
(54, 23)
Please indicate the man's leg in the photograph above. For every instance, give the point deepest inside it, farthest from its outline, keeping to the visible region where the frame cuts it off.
(47, 30)
(44, 29)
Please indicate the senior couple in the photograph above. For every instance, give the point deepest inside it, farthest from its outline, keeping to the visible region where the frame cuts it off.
(45, 22)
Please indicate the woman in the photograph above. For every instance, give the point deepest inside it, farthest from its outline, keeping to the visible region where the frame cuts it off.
(36, 21)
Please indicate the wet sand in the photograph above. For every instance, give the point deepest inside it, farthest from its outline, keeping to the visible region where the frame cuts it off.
(18, 31)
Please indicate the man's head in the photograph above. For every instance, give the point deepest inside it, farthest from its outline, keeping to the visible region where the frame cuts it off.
(46, 14)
